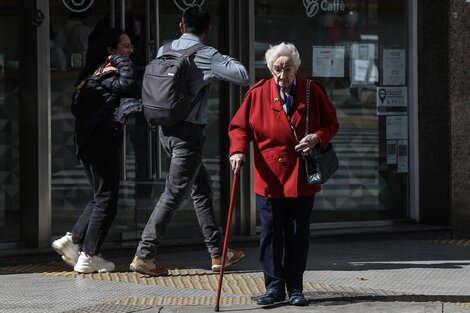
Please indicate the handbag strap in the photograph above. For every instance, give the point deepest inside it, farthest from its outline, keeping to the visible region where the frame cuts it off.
(307, 119)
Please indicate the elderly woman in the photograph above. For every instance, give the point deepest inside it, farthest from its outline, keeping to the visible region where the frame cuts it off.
(273, 117)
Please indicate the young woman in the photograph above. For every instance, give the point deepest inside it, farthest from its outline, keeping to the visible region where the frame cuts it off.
(107, 78)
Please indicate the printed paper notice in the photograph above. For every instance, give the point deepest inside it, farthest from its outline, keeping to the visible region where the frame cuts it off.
(392, 100)
(391, 152)
(397, 127)
(402, 161)
(394, 67)
(363, 71)
(328, 61)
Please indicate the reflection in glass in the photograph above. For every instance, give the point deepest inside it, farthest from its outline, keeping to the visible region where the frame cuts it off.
(10, 214)
(141, 189)
(366, 187)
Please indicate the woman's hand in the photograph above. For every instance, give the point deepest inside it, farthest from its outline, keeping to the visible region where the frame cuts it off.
(236, 161)
(307, 143)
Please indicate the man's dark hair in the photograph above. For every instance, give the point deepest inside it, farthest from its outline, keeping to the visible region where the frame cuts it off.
(196, 20)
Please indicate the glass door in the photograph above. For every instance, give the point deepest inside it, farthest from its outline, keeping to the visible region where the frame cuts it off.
(164, 28)
(71, 25)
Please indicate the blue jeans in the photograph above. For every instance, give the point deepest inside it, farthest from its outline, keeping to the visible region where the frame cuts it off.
(102, 168)
(187, 174)
(284, 240)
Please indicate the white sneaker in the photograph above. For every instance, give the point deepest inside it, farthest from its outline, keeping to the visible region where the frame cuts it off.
(93, 264)
(67, 249)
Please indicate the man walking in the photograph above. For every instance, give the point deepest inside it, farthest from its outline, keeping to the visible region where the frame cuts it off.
(184, 143)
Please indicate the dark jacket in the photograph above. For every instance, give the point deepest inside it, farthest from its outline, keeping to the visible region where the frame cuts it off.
(94, 105)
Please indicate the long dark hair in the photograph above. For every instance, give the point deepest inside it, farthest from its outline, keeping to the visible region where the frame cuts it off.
(98, 43)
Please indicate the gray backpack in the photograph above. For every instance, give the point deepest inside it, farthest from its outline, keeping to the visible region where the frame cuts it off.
(165, 99)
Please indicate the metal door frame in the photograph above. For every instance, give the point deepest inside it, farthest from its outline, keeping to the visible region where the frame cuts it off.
(35, 124)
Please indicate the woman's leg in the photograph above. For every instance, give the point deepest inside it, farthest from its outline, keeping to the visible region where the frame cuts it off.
(297, 235)
(272, 218)
(105, 171)
(81, 225)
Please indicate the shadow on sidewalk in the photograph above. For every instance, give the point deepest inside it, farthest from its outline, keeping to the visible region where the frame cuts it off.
(340, 298)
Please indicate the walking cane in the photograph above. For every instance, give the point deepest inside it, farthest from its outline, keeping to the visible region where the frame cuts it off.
(227, 232)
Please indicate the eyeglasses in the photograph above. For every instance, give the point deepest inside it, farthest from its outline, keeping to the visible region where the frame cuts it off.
(286, 70)
(128, 46)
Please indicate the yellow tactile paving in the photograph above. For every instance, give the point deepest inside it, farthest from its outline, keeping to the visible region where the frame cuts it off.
(153, 301)
(462, 305)
(457, 242)
(197, 279)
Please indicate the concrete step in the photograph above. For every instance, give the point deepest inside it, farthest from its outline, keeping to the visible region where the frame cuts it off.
(24, 255)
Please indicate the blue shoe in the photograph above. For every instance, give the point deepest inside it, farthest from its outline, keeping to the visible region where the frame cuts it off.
(271, 296)
(296, 297)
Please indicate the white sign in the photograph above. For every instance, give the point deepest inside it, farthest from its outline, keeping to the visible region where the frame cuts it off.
(392, 100)
(328, 61)
(313, 6)
(397, 127)
(363, 51)
(363, 70)
(394, 67)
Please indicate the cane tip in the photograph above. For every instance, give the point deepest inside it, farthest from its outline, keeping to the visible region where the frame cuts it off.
(216, 308)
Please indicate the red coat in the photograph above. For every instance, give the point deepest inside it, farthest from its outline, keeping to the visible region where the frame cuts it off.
(279, 169)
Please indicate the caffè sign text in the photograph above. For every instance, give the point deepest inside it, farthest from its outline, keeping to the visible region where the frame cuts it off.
(313, 6)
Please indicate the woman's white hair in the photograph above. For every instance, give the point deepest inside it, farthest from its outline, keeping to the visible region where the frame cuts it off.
(282, 49)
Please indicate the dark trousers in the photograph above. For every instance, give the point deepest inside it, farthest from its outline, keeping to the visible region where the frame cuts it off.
(102, 168)
(186, 175)
(284, 241)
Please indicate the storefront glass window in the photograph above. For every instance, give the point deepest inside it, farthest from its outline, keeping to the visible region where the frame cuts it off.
(358, 50)
(141, 188)
(10, 214)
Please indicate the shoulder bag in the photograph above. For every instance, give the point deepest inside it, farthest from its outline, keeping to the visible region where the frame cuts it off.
(320, 162)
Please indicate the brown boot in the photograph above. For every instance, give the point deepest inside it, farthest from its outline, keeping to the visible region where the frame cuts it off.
(147, 267)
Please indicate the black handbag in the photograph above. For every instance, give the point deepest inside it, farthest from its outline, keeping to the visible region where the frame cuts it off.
(320, 162)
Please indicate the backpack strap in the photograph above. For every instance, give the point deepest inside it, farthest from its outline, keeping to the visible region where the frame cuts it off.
(166, 47)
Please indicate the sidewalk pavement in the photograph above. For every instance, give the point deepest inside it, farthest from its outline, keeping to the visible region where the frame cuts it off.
(403, 276)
